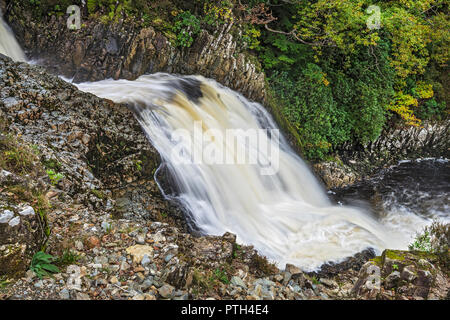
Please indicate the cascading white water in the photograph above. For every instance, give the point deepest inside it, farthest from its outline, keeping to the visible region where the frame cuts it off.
(286, 216)
(8, 43)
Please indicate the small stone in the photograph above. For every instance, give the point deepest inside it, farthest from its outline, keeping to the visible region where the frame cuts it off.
(328, 283)
(140, 239)
(287, 277)
(6, 216)
(158, 237)
(82, 296)
(39, 284)
(14, 222)
(184, 296)
(278, 277)
(168, 257)
(166, 291)
(92, 242)
(230, 237)
(27, 211)
(145, 260)
(124, 266)
(101, 260)
(64, 294)
(79, 245)
(138, 297)
(146, 284)
(293, 270)
(139, 251)
(113, 280)
(238, 282)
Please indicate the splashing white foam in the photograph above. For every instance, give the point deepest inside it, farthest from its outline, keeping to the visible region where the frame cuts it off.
(286, 216)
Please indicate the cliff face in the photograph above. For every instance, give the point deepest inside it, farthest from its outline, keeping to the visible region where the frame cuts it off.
(122, 50)
(395, 143)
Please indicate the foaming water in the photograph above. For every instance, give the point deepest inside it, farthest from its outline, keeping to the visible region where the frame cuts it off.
(8, 43)
(408, 196)
(287, 216)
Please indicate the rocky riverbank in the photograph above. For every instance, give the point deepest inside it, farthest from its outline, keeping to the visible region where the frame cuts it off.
(76, 180)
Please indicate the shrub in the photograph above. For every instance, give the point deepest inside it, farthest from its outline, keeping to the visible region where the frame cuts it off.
(433, 239)
(186, 28)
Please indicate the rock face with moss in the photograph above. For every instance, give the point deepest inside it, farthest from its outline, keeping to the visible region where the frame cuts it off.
(403, 275)
(127, 50)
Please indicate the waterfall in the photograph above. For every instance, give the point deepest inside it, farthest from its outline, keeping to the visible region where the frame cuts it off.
(284, 212)
(8, 43)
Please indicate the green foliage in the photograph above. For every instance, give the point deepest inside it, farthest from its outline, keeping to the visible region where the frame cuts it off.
(99, 194)
(433, 239)
(221, 275)
(422, 242)
(186, 28)
(4, 282)
(67, 258)
(15, 156)
(368, 75)
(315, 280)
(431, 109)
(55, 177)
(328, 106)
(42, 264)
(308, 104)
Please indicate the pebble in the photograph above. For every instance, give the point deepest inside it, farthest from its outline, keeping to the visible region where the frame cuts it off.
(14, 222)
(27, 211)
(92, 242)
(64, 294)
(166, 291)
(238, 282)
(6, 216)
(138, 251)
(146, 260)
(79, 245)
(168, 257)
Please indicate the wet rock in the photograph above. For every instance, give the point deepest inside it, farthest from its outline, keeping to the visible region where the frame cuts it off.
(329, 283)
(392, 280)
